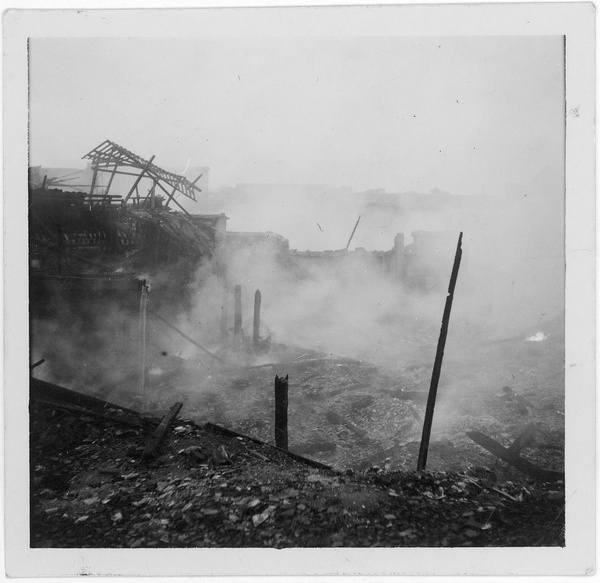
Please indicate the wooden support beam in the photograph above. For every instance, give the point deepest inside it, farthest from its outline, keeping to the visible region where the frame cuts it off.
(171, 197)
(256, 326)
(439, 356)
(134, 187)
(161, 430)
(111, 179)
(281, 412)
(513, 459)
(237, 311)
(93, 185)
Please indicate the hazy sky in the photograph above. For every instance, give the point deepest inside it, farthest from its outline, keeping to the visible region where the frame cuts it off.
(469, 115)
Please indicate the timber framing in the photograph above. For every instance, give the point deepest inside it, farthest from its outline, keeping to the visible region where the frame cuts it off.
(114, 159)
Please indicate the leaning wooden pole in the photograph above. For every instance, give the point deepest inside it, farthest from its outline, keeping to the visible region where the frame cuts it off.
(237, 311)
(137, 180)
(439, 356)
(256, 328)
(142, 343)
(160, 431)
(352, 236)
(281, 412)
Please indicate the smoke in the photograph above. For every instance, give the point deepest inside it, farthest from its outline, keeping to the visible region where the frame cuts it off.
(354, 304)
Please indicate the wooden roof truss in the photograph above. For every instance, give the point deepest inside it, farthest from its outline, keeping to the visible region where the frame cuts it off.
(114, 159)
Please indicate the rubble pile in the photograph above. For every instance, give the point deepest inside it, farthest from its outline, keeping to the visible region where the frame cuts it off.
(91, 489)
(352, 414)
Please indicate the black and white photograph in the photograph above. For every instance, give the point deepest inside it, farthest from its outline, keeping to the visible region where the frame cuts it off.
(290, 287)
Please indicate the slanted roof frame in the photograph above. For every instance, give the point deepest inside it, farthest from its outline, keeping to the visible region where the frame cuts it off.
(109, 156)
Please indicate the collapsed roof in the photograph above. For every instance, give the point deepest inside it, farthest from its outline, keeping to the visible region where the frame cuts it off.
(114, 159)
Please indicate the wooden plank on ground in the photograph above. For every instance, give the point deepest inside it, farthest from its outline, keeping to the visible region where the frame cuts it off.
(39, 389)
(160, 431)
(129, 420)
(518, 462)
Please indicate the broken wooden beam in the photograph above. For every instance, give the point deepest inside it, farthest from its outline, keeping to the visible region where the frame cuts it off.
(281, 412)
(513, 459)
(40, 390)
(161, 430)
(439, 356)
(137, 181)
(129, 420)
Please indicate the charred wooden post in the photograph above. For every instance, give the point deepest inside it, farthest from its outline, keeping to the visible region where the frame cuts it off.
(161, 430)
(224, 298)
(281, 412)
(256, 328)
(237, 314)
(142, 341)
(439, 356)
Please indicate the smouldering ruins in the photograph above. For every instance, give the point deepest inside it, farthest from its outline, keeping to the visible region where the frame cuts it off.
(138, 301)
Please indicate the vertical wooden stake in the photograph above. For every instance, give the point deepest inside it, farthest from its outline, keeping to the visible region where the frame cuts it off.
(142, 343)
(256, 329)
(224, 297)
(281, 412)
(237, 314)
(437, 367)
